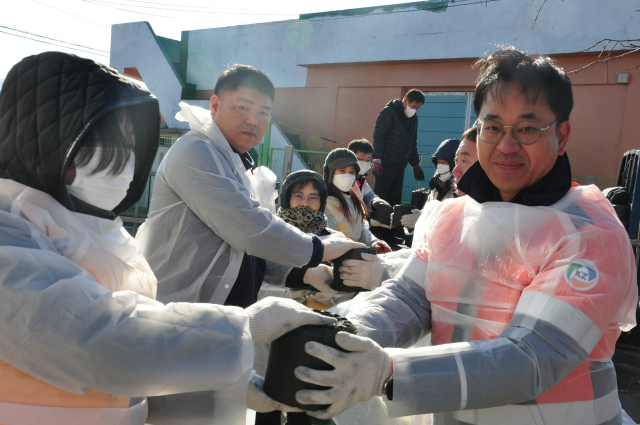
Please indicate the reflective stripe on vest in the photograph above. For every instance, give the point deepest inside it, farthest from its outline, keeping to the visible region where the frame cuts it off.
(21, 388)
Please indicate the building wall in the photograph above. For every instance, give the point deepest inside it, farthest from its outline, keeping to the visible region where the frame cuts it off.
(334, 72)
(342, 102)
(431, 30)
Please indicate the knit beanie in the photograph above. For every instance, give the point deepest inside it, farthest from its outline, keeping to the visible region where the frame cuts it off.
(447, 151)
(339, 158)
(299, 177)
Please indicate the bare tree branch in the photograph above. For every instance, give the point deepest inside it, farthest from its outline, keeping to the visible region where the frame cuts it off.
(632, 46)
(538, 14)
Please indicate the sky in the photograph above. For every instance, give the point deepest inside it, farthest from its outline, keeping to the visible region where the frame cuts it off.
(83, 27)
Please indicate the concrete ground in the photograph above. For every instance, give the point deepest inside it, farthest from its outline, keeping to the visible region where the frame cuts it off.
(627, 363)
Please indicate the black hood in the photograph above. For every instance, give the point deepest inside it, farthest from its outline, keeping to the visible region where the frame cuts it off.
(48, 103)
(398, 106)
(446, 151)
(297, 177)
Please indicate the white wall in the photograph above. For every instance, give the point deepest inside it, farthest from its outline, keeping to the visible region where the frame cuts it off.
(134, 45)
(463, 30)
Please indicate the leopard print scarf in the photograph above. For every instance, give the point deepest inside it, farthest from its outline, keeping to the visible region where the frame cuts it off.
(305, 219)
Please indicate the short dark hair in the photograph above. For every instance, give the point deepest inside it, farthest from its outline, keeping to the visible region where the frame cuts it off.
(470, 134)
(539, 77)
(360, 145)
(246, 76)
(109, 134)
(415, 95)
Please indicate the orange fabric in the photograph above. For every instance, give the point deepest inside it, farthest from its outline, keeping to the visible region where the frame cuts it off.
(478, 278)
(20, 388)
(575, 387)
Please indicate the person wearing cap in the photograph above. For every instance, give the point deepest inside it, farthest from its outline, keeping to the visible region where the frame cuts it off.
(303, 198)
(364, 151)
(442, 184)
(465, 157)
(346, 212)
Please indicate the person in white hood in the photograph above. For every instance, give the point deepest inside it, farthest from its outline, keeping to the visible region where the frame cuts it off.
(82, 339)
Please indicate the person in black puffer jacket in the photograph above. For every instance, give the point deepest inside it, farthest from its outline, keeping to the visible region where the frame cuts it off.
(395, 145)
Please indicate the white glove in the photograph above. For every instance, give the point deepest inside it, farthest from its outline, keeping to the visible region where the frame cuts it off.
(357, 376)
(273, 317)
(336, 247)
(376, 223)
(320, 278)
(410, 220)
(365, 273)
(259, 401)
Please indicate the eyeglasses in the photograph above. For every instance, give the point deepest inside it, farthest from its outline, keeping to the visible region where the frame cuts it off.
(312, 199)
(525, 132)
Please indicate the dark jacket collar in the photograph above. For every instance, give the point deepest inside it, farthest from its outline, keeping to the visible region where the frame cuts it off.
(547, 191)
(247, 161)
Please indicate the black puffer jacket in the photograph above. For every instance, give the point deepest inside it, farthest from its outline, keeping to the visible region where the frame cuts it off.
(48, 103)
(395, 136)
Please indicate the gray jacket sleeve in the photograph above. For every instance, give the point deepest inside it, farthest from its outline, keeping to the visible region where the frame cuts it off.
(204, 180)
(276, 274)
(397, 314)
(540, 351)
(393, 262)
(60, 326)
(521, 364)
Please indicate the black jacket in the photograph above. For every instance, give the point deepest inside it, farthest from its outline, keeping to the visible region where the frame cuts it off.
(48, 103)
(395, 138)
(547, 191)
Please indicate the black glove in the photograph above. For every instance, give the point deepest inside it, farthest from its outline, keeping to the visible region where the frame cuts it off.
(417, 172)
(377, 202)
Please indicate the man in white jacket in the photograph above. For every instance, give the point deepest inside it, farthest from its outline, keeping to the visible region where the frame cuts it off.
(207, 236)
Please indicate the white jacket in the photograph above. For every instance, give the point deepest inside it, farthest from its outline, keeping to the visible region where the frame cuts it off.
(77, 312)
(356, 228)
(205, 215)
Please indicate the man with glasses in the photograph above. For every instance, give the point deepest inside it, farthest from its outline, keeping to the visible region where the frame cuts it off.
(364, 151)
(525, 284)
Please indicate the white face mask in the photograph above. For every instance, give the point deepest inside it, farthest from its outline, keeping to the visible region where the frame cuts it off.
(409, 112)
(443, 172)
(344, 182)
(101, 189)
(364, 167)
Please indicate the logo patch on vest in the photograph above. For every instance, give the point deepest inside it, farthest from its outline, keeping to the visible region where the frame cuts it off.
(581, 275)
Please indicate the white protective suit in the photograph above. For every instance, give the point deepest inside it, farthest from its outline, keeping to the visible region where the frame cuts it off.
(524, 305)
(205, 215)
(77, 312)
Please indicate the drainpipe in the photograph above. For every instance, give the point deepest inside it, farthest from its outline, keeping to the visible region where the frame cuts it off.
(266, 145)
